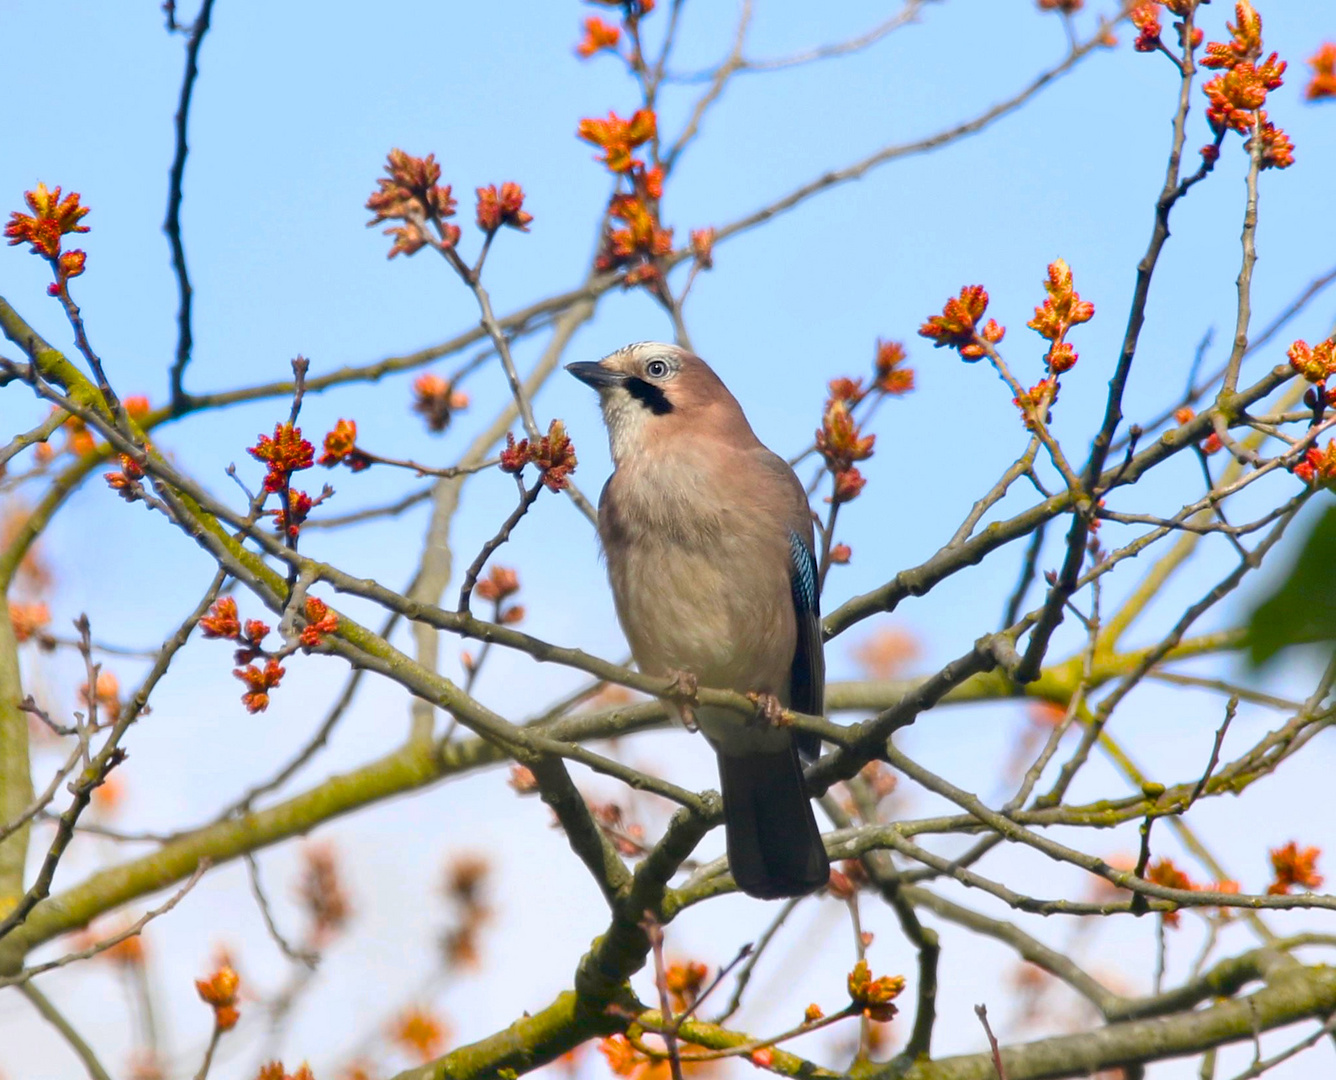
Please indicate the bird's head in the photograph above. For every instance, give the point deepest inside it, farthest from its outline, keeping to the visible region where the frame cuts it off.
(651, 392)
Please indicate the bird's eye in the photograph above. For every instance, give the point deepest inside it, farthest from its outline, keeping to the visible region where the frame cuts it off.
(656, 369)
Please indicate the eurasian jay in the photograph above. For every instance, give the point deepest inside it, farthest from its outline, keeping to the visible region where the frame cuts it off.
(709, 545)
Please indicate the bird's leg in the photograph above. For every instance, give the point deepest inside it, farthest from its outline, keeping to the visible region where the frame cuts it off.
(682, 693)
(769, 711)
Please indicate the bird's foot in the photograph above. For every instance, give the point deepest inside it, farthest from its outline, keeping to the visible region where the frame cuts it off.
(682, 693)
(769, 711)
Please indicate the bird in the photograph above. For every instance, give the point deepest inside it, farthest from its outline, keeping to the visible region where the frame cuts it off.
(709, 545)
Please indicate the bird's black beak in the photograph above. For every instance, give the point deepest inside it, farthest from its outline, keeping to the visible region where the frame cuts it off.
(596, 375)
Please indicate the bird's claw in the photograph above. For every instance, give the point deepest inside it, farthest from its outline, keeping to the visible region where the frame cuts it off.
(682, 693)
(769, 711)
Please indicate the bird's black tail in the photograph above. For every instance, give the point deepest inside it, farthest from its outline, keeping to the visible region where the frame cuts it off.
(774, 845)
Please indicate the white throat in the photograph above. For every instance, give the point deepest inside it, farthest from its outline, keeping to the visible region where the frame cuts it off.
(625, 418)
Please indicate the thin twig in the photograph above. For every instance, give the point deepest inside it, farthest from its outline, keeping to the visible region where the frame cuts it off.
(371, 513)
(906, 15)
(502, 345)
(654, 929)
(43, 800)
(745, 973)
(1231, 379)
(39, 434)
(718, 81)
(284, 518)
(1231, 707)
(1029, 570)
(308, 957)
(53, 641)
(742, 954)
(444, 473)
(1261, 1066)
(527, 497)
(1055, 962)
(981, 1011)
(175, 193)
(1143, 860)
(205, 1065)
(1243, 693)
(133, 930)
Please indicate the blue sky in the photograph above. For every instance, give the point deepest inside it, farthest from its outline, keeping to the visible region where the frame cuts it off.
(295, 109)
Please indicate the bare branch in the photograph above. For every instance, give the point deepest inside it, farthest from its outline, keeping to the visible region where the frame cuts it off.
(981, 1012)
(175, 193)
(307, 957)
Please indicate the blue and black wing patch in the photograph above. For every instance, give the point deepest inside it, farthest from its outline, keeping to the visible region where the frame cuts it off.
(807, 676)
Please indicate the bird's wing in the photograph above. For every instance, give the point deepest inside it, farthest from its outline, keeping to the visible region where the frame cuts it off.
(807, 676)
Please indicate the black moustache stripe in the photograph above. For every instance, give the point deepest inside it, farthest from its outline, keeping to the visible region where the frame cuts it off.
(649, 395)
